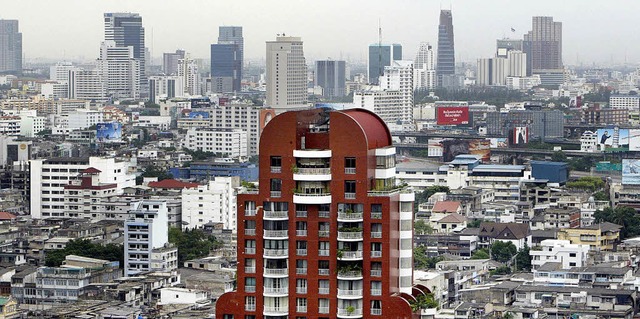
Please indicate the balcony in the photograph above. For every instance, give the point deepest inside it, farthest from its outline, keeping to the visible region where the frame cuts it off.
(278, 272)
(351, 255)
(350, 275)
(350, 293)
(376, 312)
(349, 170)
(301, 213)
(312, 174)
(324, 214)
(282, 253)
(301, 252)
(376, 273)
(249, 251)
(276, 311)
(276, 234)
(250, 212)
(273, 292)
(323, 291)
(312, 153)
(250, 270)
(376, 234)
(250, 289)
(349, 236)
(250, 232)
(312, 198)
(275, 215)
(376, 254)
(349, 195)
(301, 233)
(350, 216)
(276, 169)
(323, 272)
(356, 313)
(323, 233)
(276, 194)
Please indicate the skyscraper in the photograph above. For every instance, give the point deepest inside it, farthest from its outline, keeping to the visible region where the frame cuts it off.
(424, 73)
(119, 70)
(325, 235)
(446, 64)
(10, 47)
(170, 62)
(227, 59)
(330, 75)
(126, 30)
(381, 55)
(286, 74)
(543, 45)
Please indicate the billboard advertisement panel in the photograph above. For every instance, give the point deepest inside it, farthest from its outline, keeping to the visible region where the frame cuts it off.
(575, 102)
(453, 148)
(481, 148)
(520, 135)
(109, 132)
(452, 115)
(200, 102)
(199, 115)
(499, 142)
(631, 171)
(634, 140)
(613, 138)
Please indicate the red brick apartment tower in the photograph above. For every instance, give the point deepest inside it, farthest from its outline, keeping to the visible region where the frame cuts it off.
(327, 234)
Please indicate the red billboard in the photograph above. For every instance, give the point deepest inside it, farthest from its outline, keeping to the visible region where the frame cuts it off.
(452, 115)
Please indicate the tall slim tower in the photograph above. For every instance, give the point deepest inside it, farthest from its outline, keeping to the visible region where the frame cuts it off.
(227, 57)
(126, 29)
(446, 64)
(330, 75)
(424, 68)
(286, 74)
(10, 47)
(328, 233)
(381, 56)
(543, 45)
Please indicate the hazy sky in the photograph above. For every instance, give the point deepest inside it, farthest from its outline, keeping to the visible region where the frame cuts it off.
(599, 31)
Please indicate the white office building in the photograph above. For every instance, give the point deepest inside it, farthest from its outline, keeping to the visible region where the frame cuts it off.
(629, 102)
(424, 71)
(495, 71)
(82, 119)
(10, 125)
(190, 77)
(50, 176)
(559, 251)
(286, 74)
(30, 125)
(120, 70)
(87, 85)
(243, 117)
(146, 239)
(211, 203)
(228, 142)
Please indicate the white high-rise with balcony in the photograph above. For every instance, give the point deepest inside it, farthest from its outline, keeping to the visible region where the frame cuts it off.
(286, 74)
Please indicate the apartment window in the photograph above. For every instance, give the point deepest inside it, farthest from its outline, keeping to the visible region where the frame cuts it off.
(376, 288)
(385, 161)
(323, 287)
(276, 187)
(323, 305)
(349, 189)
(301, 267)
(301, 305)
(301, 286)
(276, 164)
(301, 248)
(250, 284)
(250, 303)
(349, 165)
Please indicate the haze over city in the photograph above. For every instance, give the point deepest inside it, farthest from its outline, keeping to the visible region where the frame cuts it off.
(593, 31)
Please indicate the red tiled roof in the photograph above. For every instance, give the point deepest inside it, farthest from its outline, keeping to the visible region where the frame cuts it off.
(446, 207)
(172, 184)
(7, 216)
(91, 170)
(452, 218)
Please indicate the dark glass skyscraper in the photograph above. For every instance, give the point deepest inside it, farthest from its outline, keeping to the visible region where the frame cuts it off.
(446, 64)
(381, 55)
(10, 47)
(127, 31)
(330, 75)
(227, 57)
(543, 45)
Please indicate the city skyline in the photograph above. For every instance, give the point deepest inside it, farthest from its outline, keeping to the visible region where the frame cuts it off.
(77, 35)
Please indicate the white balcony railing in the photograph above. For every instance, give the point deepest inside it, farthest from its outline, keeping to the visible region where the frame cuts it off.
(324, 214)
(323, 233)
(376, 234)
(323, 291)
(350, 235)
(349, 170)
(276, 271)
(323, 272)
(344, 312)
(350, 292)
(276, 194)
(301, 309)
(275, 233)
(323, 252)
(250, 212)
(250, 289)
(349, 195)
(376, 215)
(352, 255)
(376, 273)
(350, 274)
(276, 169)
(249, 251)
(301, 232)
(276, 214)
(301, 271)
(250, 270)
(301, 290)
(250, 232)
(250, 307)
(301, 213)
(323, 309)
(278, 291)
(376, 292)
(350, 216)
(376, 312)
(376, 254)
(313, 171)
(275, 252)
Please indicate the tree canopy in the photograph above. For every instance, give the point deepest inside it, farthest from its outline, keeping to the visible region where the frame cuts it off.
(422, 261)
(420, 227)
(192, 244)
(85, 248)
(503, 251)
(624, 216)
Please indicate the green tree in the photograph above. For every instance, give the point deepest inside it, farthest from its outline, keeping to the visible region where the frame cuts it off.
(503, 251)
(427, 301)
(475, 223)
(422, 261)
(502, 270)
(601, 195)
(480, 254)
(192, 243)
(559, 156)
(85, 248)
(624, 216)
(420, 227)
(523, 259)
(153, 171)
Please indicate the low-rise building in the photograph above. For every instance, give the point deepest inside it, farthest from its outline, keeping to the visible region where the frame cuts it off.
(559, 251)
(603, 236)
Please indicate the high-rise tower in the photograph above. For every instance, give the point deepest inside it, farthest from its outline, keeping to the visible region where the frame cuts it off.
(331, 76)
(328, 233)
(227, 58)
(446, 64)
(286, 74)
(424, 68)
(10, 47)
(380, 56)
(543, 45)
(126, 30)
